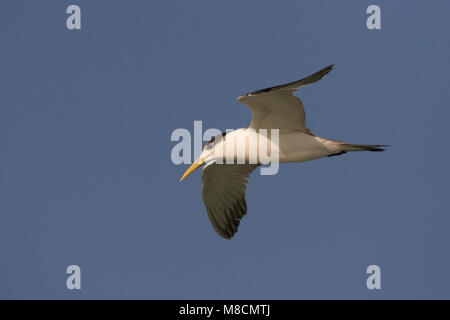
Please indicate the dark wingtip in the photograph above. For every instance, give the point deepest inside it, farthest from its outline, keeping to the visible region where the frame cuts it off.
(310, 79)
(326, 70)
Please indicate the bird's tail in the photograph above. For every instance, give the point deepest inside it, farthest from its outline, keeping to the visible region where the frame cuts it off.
(336, 147)
(362, 147)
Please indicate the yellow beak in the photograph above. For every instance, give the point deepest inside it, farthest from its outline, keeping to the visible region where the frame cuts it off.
(197, 164)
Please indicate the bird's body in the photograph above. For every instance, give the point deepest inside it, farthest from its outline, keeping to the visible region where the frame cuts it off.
(300, 146)
(295, 146)
(277, 134)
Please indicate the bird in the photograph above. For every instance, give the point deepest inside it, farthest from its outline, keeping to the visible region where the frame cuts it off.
(224, 185)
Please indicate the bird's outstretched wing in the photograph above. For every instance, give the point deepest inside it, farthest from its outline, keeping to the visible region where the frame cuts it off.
(278, 108)
(223, 190)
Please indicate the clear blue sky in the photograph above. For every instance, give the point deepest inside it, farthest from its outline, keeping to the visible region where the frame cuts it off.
(86, 176)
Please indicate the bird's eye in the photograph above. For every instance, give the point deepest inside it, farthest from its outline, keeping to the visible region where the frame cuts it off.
(212, 139)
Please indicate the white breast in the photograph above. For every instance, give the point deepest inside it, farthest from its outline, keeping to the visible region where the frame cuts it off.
(255, 146)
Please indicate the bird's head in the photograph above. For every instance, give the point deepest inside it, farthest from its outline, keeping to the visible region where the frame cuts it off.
(208, 155)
